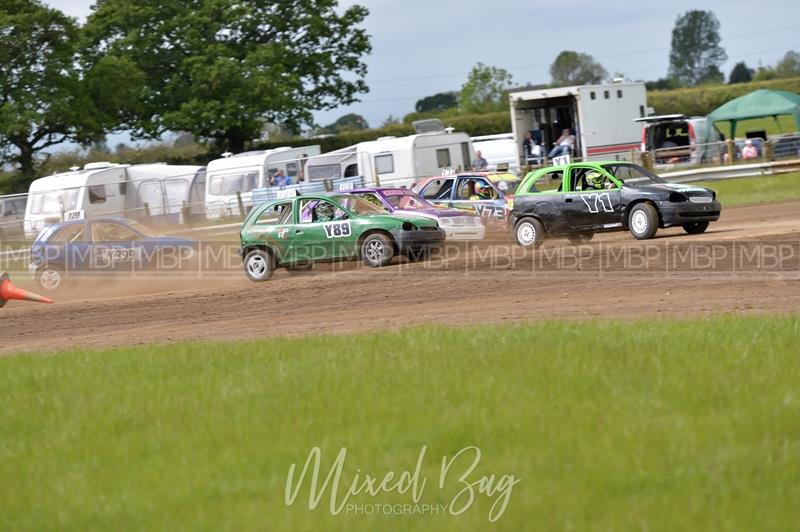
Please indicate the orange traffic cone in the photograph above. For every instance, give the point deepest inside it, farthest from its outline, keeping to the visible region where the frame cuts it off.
(9, 291)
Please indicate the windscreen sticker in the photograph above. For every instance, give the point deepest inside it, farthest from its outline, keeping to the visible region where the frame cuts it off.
(337, 229)
(595, 201)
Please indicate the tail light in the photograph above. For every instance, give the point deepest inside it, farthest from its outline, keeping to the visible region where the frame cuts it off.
(692, 138)
(644, 138)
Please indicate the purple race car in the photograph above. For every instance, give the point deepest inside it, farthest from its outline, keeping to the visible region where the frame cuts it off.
(456, 224)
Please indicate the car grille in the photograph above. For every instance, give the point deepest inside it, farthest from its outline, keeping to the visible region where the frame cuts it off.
(701, 199)
(699, 214)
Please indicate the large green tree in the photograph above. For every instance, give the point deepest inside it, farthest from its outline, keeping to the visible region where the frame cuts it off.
(696, 54)
(437, 102)
(485, 89)
(45, 99)
(741, 73)
(221, 69)
(573, 68)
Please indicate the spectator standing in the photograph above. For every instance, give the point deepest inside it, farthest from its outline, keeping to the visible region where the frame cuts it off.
(479, 163)
(280, 179)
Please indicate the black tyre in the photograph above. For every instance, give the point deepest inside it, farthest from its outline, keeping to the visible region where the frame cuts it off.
(259, 265)
(529, 233)
(50, 279)
(643, 221)
(580, 239)
(377, 250)
(695, 228)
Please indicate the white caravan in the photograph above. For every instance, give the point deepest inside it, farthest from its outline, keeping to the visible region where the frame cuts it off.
(111, 189)
(600, 116)
(394, 161)
(499, 151)
(243, 172)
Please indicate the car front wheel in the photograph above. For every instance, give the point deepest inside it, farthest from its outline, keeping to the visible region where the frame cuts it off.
(529, 233)
(50, 278)
(695, 228)
(643, 221)
(259, 265)
(377, 250)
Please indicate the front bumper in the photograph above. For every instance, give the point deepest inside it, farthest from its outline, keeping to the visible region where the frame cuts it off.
(684, 213)
(417, 239)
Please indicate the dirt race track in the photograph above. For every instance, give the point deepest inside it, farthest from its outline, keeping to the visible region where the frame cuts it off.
(747, 262)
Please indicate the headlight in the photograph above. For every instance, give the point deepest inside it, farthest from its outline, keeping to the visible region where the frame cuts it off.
(676, 197)
(408, 226)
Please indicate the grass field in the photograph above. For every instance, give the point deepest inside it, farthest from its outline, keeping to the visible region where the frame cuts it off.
(651, 425)
(754, 190)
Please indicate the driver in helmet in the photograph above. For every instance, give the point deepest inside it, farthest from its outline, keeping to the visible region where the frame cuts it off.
(594, 180)
(324, 212)
(483, 191)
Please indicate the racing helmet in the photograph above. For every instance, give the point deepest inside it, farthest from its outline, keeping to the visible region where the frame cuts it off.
(483, 188)
(324, 209)
(594, 179)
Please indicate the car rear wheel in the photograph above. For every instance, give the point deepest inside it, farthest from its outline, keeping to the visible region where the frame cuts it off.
(377, 250)
(50, 278)
(643, 221)
(259, 265)
(529, 233)
(580, 239)
(695, 228)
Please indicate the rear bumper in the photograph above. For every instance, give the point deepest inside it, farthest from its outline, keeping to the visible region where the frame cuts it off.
(421, 238)
(683, 213)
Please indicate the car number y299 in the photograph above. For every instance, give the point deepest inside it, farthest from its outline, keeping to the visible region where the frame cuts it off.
(337, 229)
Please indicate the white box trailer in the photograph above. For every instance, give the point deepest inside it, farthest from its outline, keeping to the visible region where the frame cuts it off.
(498, 150)
(112, 189)
(394, 161)
(600, 116)
(236, 176)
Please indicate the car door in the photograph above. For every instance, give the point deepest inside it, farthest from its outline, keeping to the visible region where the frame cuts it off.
(119, 249)
(491, 210)
(587, 208)
(314, 237)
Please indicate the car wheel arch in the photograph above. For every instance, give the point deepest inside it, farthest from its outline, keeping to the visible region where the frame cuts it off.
(629, 207)
(263, 247)
(366, 234)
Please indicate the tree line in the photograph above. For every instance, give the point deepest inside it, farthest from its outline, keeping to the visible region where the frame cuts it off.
(219, 70)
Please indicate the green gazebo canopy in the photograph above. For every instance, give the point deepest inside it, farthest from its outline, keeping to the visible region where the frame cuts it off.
(757, 104)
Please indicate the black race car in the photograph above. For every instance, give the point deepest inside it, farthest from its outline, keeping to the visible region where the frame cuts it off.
(580, 199)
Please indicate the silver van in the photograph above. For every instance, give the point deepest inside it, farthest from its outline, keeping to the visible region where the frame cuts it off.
(12, 215)
(676, 139)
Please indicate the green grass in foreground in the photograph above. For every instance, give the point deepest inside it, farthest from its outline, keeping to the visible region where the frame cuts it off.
(652, 425)
(754, 190)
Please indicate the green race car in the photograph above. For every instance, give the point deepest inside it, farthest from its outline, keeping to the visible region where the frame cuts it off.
(297, 232)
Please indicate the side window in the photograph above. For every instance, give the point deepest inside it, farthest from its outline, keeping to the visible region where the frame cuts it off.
(97, 194)
(443, 158)
(475, 188)
(319, 211)
(112, 232)
(588, 178)
(384, 164)
(438, 189)
(372, 198)
(549, 182)
(68, 234)
(277, 214)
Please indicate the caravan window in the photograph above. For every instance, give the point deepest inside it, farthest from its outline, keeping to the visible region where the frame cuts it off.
(325, 171)
(384, 164)
(54, 201)
(225, 185)
(443, 158)
(97, 194)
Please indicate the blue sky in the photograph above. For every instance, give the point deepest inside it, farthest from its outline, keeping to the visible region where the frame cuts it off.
(421, 47)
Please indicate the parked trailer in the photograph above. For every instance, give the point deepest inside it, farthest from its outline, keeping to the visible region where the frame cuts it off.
(102, 189)
(232, 179)
(12, 215)
(600, 116)
(394, 161)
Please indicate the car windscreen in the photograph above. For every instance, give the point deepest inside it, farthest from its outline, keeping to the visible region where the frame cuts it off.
(633, 174)
(358, 205)
(145, 230)
(508, 187)
(405, 199)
